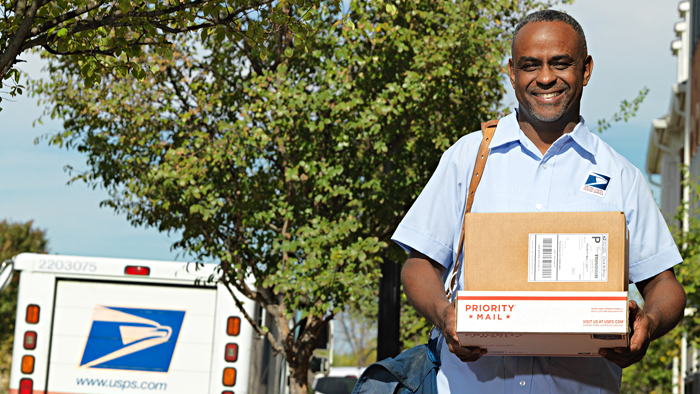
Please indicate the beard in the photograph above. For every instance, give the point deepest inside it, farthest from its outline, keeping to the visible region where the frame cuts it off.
(539, 115)
(547, 118)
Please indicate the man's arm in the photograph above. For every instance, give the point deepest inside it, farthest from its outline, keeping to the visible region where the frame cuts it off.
(422, 283)
(664, 303)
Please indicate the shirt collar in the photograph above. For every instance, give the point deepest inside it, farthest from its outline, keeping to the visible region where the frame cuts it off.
(508, 130)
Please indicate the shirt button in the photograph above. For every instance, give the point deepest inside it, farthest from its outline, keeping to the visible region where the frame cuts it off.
(522, 383)
(538, 206)
(544, 166)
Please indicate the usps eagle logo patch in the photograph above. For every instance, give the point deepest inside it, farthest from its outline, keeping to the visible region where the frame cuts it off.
(596, 184)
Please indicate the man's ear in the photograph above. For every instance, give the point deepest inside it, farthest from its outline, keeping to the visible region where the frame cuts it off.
(511, 72)
(587, 69)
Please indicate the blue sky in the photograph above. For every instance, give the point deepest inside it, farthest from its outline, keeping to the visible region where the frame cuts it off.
(629, 41)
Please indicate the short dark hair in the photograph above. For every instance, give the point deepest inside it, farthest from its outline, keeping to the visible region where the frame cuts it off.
(551, 16)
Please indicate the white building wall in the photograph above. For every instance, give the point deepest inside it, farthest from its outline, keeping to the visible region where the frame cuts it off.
(670, 186)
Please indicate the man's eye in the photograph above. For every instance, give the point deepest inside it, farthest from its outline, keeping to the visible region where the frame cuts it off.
(560, 66)
(529, 67)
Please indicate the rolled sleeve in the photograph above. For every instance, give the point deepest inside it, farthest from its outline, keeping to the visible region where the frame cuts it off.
(654, 265)
(412, 239)
(652, 248)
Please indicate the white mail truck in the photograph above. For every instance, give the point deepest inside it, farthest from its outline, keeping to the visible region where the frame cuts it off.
(88, 325)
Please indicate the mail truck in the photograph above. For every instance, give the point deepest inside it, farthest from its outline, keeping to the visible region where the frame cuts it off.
(89, 325)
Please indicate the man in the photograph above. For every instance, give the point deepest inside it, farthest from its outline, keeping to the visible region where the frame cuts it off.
(541, 156)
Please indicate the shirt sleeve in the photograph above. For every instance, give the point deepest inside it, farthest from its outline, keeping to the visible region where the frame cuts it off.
(430, 225)
(652, 248)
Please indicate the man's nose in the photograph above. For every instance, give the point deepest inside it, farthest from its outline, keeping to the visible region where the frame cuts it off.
(546, 77)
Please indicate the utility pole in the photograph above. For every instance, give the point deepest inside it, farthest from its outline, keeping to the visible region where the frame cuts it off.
(389, 322)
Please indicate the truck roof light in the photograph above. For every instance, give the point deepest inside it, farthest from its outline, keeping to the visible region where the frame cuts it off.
(137, 270)
(30, 340)
(231, 352)
(32, 314)
(227, 392)
(27, 364)
(26, 386)
(229, 376)
(233, 326)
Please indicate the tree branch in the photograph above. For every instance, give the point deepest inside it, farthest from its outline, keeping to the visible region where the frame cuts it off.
(267, 334)
(15, 43)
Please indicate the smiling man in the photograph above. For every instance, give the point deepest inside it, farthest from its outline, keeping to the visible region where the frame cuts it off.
(541, 159)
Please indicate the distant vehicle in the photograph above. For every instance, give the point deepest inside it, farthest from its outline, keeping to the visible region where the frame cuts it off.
(339, 380)
(102, 326)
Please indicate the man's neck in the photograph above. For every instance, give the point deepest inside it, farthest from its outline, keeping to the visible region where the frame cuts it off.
(543, 134)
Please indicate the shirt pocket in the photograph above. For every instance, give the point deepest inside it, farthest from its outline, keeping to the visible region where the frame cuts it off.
(584, 202)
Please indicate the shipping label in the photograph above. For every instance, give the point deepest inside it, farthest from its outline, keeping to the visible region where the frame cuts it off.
(568, 258)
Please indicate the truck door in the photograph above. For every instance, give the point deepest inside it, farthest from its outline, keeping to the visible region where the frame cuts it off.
(131, 338)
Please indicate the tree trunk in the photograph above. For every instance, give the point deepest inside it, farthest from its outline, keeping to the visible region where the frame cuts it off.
(299, 381)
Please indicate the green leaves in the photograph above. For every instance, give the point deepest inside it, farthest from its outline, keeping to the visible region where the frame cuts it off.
(628, 109)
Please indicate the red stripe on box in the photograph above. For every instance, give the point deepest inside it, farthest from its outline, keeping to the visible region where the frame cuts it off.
(539, 298)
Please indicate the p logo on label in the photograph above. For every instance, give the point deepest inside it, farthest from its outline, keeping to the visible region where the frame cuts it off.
(596, 184)
(132, 339)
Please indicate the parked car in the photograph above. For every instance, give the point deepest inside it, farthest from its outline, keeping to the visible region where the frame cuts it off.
(339, 380)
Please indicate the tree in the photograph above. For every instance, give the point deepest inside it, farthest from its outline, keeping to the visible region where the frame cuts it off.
(293, 169)
(15, 238)
(107, 36)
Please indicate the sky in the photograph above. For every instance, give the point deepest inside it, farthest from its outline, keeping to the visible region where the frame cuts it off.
(629, 41)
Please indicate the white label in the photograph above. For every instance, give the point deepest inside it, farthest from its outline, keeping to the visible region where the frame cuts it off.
(568, 258)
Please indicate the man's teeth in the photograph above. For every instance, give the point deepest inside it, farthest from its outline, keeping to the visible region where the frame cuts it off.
(547, 95)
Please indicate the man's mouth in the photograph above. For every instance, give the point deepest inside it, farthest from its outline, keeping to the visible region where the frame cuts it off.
(547, 95)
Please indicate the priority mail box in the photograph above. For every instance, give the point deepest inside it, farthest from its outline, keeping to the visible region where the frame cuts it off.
(546, 251)
(542, 323)
(544, 283)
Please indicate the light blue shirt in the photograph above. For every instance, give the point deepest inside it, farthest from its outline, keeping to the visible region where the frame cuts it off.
(579, 172)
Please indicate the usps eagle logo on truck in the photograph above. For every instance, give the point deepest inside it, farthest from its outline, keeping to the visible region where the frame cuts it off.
(132, 339)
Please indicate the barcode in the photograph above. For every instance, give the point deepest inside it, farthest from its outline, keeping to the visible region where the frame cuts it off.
(595, 269)
(547, 258)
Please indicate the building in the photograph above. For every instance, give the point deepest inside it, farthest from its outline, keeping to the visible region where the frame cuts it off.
(667, 141)
(673, 154)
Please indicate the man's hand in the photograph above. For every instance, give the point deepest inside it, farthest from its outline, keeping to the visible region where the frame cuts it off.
(664, 302)
(422, 283)
(641, 329)
(466, 354)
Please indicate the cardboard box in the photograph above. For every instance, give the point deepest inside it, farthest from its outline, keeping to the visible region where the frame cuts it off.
(542, 323)
(558, 282)
(500, 248)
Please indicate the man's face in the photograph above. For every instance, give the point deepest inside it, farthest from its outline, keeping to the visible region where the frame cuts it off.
(548, 71)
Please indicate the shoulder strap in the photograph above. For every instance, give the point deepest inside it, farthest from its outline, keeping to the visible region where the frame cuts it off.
(488, 128)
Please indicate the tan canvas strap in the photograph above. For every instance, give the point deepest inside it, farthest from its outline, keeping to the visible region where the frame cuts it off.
(488, 128)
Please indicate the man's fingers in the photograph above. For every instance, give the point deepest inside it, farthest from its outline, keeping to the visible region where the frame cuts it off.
(633, 306)
(623, 357)
(466, 354)
(469, 354)
(637, 340)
